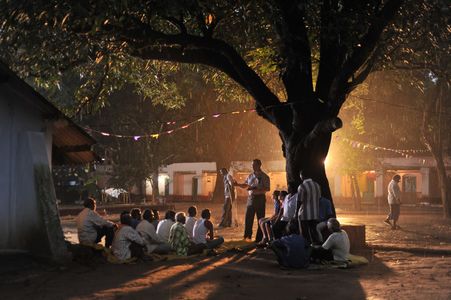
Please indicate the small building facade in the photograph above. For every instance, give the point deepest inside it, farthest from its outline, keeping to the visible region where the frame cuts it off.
(419, 182)
(33, 134)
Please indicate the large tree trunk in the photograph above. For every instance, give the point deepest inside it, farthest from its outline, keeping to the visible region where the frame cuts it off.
(443, 183)
(308, 158)
(433, 136)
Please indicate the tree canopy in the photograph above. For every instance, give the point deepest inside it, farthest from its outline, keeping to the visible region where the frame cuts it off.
(297, 59)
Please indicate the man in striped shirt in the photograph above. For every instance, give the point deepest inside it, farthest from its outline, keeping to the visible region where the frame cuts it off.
(309, 193)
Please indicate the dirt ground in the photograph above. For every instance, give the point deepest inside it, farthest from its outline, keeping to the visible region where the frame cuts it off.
(411, 263)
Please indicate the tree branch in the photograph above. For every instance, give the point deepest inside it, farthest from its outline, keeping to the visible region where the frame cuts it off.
(296, 50)
(362, 51)
(194, 49)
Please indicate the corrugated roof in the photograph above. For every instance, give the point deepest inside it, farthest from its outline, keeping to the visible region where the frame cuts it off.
(71, 144)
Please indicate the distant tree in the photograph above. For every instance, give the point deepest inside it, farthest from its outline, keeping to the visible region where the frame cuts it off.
(421, 55)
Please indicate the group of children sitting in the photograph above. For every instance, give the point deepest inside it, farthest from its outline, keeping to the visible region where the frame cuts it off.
(296, 247)
(143, 233)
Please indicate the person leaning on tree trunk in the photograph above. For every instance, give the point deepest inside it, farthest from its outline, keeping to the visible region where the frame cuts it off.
(394, 201)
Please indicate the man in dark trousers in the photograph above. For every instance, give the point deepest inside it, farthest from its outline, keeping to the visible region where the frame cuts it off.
(257, 184)
(309, 193)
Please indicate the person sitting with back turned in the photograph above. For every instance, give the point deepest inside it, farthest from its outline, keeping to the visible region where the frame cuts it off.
(92, 227)
(203, 232)
(165, 225)
(178, 237)
(127, 242)
(190, 221)
(154, 243)
(136, 217)
(337, 245)
(155, 218)
(291, 250)
(309, 193)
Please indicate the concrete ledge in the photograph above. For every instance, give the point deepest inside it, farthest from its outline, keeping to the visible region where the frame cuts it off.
(356, 234)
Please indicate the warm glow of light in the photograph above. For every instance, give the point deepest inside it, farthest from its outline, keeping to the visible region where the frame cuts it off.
(327, 162)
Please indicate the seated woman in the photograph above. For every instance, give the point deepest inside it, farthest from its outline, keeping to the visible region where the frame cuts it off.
(203, 232)
(292, 251)
(154, 243)
(265, 223)
(337, 245)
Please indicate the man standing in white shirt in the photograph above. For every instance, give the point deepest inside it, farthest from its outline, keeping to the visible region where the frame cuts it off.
(92, 227)
(257, 184)
(127, 242)
(394, 201)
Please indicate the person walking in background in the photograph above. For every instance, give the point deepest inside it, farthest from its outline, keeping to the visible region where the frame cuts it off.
(257, 184)
(229, 198)
(394, 201)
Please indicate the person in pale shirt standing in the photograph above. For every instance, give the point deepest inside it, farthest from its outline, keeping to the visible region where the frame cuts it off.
(164, 226)
(203, 232)
(127, 242)
(337, 245)
(257, 184)
(229, 198)
(92, 227)
(394, 201)
(190, 221)
(154, 243)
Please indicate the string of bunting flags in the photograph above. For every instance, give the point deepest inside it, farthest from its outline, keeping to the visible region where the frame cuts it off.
(156, 135)
(355, 144)
(404, 152)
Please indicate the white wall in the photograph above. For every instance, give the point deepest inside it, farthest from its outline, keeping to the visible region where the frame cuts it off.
(197, 168)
